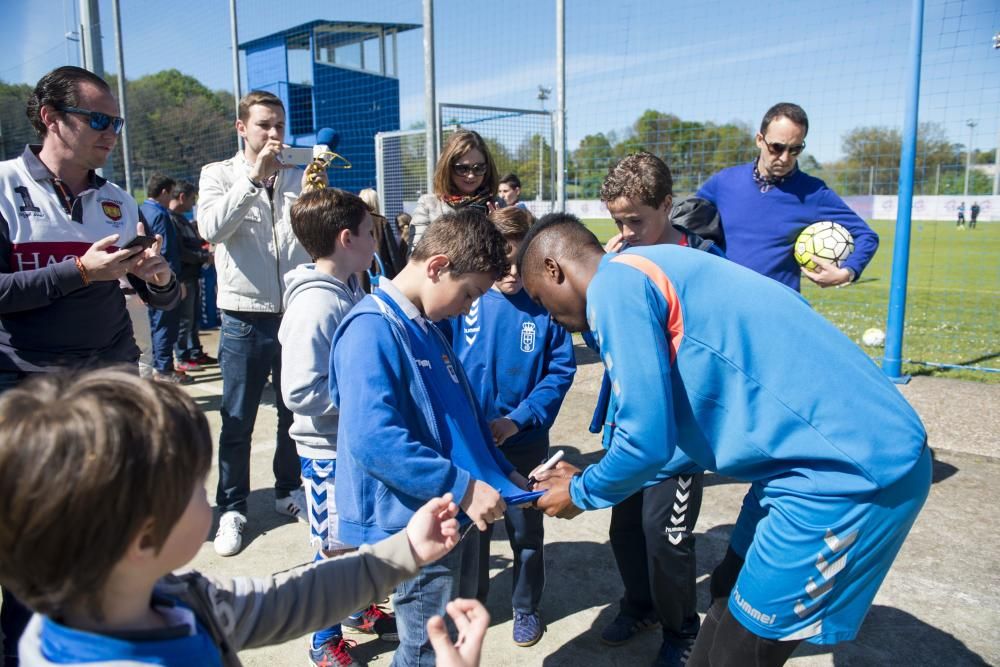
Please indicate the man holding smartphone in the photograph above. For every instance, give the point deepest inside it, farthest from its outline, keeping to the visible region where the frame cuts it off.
(243, 208)
(63, 248)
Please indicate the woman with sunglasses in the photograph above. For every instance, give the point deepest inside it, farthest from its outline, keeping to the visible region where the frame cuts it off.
(465, 176)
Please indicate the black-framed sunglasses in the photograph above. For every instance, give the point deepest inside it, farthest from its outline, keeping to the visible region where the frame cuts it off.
(469, 169)
(98, 121)
(777, 148)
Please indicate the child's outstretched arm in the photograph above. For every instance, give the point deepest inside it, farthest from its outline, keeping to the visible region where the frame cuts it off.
(270, 610)
(433, 529)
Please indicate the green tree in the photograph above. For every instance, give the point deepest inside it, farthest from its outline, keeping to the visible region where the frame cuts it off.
(590, 163)
(177, 125)
(14, 125)
(527, 156)
(871, 160)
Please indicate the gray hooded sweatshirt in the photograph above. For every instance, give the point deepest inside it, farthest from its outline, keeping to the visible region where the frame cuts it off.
(315, 304)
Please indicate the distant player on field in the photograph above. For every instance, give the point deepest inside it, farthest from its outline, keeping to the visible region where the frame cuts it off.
(715, 360)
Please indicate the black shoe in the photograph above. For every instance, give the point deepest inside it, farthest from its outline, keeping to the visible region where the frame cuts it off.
(674, 653)
(624, 627)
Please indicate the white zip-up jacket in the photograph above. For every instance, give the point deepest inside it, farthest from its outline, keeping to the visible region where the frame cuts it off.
(255, 245)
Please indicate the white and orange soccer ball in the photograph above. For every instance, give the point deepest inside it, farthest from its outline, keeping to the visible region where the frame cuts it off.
(825, 239)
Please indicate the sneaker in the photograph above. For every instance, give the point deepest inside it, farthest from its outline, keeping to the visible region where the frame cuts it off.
(187, 366)
(293, 505)
(674, 652)
(205, 360)
(624, 627)
(527, 629)
(229, 537)
(334, 653)
(374, 621)
(172, 377)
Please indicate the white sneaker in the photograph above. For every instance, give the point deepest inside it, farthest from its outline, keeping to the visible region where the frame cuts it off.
(229, 537)
(293, 505)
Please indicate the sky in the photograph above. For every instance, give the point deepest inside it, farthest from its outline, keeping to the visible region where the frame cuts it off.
(713, 60)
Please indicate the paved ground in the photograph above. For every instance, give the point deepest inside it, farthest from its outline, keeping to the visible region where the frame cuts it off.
(938, 606)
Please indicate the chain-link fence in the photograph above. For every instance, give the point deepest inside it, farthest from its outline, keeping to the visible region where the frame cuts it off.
(686, 81)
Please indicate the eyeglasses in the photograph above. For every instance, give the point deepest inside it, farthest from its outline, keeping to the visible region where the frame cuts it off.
(777, 148)
(98, 121)
(469, 169)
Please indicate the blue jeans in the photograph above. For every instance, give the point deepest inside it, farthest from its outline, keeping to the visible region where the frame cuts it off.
(248, 352)
(427, 594)
(163, 330)
(188, 346)
(526, 535)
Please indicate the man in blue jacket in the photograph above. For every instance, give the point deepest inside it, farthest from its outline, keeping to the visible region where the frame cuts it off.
(164, 325)
(712, 359)
(765, 205)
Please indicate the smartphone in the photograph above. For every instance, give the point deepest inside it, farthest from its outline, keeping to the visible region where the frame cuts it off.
(297, 156)
(140, 241)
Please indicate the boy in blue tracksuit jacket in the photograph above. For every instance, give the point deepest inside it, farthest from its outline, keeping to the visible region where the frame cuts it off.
(520, 364)
(714, 359)
(409, 426)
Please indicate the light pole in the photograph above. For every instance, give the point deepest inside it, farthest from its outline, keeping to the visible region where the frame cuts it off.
(543, 94)
(968, 156)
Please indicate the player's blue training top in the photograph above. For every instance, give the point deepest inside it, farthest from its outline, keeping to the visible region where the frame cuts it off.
(519, 361)
(761, 227)
(743, 376)
(409, 426)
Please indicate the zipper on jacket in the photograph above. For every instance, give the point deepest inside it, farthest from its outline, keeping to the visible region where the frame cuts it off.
(277, 248)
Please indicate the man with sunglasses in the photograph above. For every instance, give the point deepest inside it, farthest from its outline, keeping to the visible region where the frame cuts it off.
(766, 203)
(64, 247)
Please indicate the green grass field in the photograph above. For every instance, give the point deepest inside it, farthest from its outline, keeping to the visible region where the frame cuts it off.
(952, 299)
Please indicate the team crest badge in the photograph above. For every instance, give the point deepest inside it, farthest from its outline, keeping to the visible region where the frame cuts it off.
(528, 337)
(112, 210)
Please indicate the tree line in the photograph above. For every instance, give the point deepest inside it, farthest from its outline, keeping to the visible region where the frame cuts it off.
(177, 125)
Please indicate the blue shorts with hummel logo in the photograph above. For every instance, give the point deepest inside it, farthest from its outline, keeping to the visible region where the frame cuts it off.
(814, 563)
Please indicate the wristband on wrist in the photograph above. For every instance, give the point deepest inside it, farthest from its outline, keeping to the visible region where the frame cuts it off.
(83, 271)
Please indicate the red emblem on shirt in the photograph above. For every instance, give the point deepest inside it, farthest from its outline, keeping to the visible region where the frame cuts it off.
(112, 210)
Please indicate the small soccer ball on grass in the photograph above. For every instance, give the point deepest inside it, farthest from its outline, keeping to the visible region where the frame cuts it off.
(873, 337)
(825, 239)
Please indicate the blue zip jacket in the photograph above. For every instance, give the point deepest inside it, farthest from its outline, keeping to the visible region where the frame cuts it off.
(712, 358)
(761, 227)
(158, 221)
(409, 426)
(519, 361)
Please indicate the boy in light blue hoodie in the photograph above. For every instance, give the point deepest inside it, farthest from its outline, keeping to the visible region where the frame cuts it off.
(335, 228)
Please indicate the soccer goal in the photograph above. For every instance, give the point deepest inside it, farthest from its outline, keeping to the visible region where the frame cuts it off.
(520, 140)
